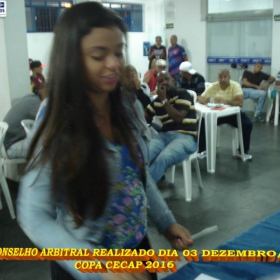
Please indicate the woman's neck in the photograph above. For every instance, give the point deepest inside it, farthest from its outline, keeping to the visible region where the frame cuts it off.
(100, 101)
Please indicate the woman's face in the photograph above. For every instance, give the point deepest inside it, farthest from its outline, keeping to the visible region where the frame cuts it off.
(102, 50)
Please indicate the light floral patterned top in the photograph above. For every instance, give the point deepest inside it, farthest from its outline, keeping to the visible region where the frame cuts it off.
(127, 219)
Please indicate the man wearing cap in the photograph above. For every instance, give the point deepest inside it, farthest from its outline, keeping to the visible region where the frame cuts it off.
(150, 77)
(177, 139)
(15, 140)
(157, 51)
(176, 55)
(190, 79)
(37, 77)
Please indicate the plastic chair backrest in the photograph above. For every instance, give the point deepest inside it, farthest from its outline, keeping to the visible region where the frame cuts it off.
(145, 88)
(271, 92)
(240, 80)
(193, 94)
(3, 129)
(199, 118)
(27, 125)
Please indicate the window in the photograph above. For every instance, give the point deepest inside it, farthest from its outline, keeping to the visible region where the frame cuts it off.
(41, 15)
(130, 13)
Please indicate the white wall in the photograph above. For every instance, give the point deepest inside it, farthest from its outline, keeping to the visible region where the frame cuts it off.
(223, 6)
(15, 81)
(5, 103)
(191, 32)
(275, 64)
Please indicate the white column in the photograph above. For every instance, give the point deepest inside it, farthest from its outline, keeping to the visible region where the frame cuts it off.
(15, 81)
(4, 81)
(275, 64)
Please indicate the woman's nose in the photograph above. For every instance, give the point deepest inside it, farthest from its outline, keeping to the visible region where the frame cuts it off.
(113, 61)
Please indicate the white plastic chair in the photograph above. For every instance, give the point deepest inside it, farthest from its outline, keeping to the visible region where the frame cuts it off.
(187, 172)
(276, 108)
(3, 158)
(27, 125)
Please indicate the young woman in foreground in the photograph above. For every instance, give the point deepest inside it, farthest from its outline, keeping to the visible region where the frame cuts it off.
(87, 184)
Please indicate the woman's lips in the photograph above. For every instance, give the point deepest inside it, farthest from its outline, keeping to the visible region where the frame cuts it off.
(111, 79)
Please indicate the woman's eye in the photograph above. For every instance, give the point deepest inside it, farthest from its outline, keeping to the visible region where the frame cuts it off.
(98, 58)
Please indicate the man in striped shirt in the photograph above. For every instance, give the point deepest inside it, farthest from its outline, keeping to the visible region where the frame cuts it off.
(177, 139)
(227, 92)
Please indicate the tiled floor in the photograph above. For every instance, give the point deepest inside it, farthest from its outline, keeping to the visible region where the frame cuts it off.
(235, 198)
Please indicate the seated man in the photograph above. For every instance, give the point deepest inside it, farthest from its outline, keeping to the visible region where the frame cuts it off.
(150, 77)
(132, 85)
(177, 139)
(26, 108)
(190, 79)
(252, 89)
(228, 92)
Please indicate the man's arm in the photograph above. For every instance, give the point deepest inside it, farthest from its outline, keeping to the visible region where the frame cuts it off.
(270, 80)
(151, 53)
(184, 55)
(150, 113)
(202, 99)
(174, 114)
(236, 101)
(163, 53)
(149, 73)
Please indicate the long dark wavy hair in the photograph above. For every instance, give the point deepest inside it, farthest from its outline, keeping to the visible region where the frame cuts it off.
(68, 138)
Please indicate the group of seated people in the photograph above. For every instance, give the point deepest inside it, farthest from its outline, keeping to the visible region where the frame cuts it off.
(169, 100)
(174, 106)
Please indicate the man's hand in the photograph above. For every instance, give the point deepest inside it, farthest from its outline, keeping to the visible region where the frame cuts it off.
(178, 236)
(153, 66)
(161, 92)
(264, 86)
(136, 81)
(219, 99)
(202, 100)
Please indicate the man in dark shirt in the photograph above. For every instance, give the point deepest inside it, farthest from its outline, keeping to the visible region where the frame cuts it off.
(252, 89)
(190, 79)
(177, 139)
(157, 51)
(15, 140)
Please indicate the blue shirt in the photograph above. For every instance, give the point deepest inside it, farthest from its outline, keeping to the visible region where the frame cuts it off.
(176, 55)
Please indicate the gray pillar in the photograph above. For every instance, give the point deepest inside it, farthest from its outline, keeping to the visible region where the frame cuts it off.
(14, 40)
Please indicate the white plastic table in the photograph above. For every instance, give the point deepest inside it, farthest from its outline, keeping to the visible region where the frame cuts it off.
(210, 117)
